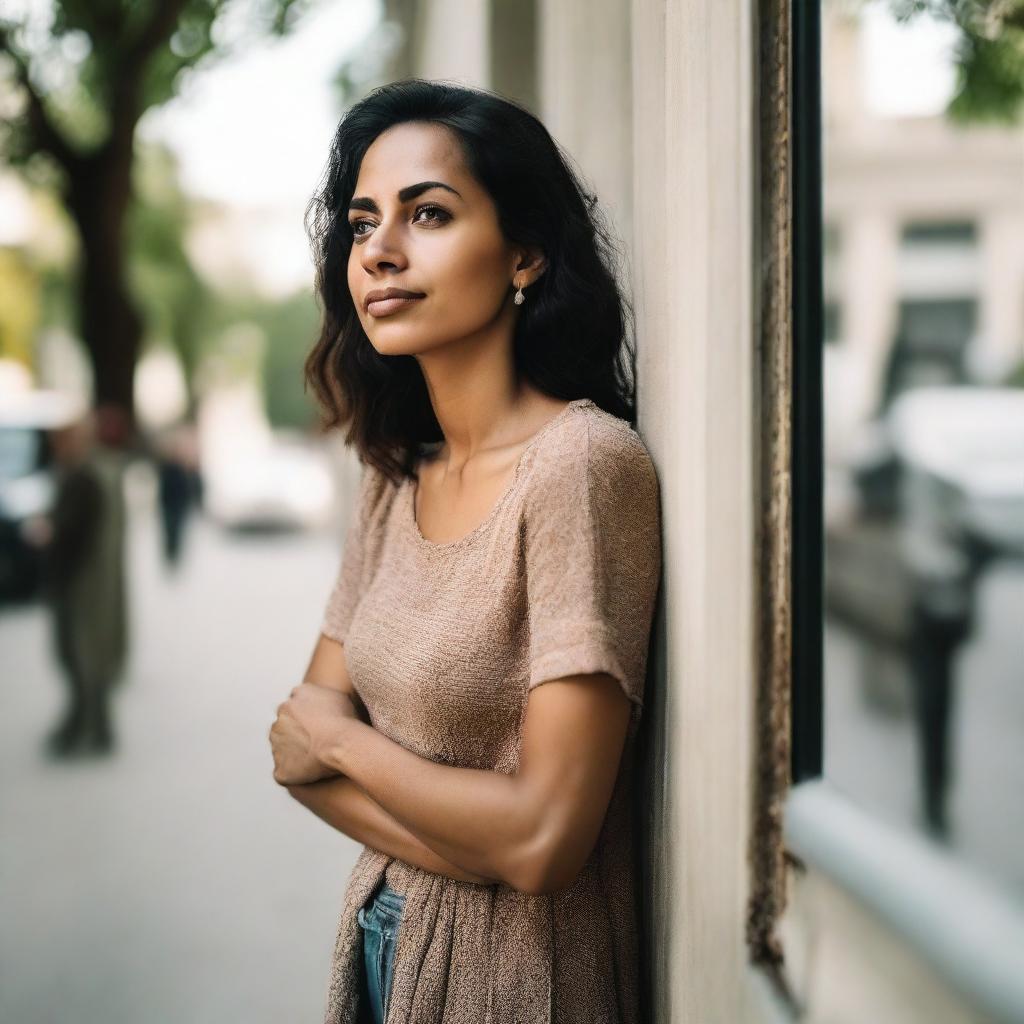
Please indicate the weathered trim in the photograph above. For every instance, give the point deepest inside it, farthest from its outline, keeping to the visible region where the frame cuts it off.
(773, 443)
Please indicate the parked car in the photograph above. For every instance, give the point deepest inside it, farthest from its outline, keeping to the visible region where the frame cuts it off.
(27, 483)
(940, 493)
(282, 485)
(963, 450)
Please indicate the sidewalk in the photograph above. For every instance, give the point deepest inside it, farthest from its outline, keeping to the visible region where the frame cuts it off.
(175, 882)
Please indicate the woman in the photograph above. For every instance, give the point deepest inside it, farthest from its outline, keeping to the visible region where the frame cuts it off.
(506, 535)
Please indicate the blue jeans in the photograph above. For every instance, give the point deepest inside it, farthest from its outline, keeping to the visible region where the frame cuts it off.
(380, 918)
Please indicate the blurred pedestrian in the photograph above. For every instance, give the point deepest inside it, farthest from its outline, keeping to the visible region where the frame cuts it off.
(178, 492)
(85, 581)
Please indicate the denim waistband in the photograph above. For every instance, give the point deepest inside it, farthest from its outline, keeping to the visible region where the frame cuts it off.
(390, 898)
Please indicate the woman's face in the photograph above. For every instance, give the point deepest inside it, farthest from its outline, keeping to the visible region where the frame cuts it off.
(441, 242)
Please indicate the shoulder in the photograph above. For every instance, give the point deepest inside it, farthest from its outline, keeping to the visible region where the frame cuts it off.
(593, 465)
(591, 445)
(376, 493)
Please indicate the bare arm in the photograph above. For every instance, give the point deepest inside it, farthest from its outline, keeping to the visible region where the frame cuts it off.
(345, 806)
(327, 667)
(532, 830)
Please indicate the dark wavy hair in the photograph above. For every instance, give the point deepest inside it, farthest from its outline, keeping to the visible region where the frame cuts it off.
(573, 337)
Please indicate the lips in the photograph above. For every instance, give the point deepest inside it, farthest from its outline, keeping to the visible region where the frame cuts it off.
(384, 302)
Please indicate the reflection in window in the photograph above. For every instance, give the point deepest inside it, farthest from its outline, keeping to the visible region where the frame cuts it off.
(831, 325)
(924, 474)
(831, 281)
(939, 233)
(929, 346)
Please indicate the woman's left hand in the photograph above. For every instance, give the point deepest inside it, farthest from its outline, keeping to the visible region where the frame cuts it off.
(307, 724)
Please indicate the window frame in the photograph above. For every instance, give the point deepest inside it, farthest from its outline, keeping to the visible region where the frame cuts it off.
(974, 935)
(806, 426)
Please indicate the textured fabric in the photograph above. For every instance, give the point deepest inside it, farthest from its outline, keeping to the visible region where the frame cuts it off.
(443, 643)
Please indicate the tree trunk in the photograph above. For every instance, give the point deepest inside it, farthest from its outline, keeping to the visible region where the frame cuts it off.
(110, 325)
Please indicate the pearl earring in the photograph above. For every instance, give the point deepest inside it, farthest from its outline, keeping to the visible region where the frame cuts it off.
(520, 297)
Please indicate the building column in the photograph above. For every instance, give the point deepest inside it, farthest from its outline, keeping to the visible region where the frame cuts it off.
(694, 104)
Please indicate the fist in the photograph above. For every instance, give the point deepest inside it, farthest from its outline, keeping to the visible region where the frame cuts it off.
(293, 764)
(307, 723)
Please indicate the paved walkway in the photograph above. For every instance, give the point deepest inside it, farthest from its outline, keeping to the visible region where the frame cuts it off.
(174, 882)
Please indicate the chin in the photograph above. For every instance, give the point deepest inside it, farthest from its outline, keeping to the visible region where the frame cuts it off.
(404, 340)
(388, 341)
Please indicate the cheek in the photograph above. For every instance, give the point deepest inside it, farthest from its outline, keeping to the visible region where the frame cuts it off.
(352, 271)
(468, 273)
(464, 271)
(355, 273)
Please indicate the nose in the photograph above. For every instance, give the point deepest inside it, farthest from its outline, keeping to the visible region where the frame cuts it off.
(383, 250)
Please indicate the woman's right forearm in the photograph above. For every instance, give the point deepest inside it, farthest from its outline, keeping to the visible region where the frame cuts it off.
(344, 806)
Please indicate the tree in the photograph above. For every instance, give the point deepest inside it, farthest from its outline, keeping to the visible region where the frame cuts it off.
(174, 300)
(989, 56)
(85, 72)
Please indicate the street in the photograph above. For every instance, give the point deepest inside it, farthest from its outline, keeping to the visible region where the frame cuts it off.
(173, 882)
(871, 749)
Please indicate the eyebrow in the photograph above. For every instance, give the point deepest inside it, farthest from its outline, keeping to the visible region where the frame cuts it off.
(404, 195)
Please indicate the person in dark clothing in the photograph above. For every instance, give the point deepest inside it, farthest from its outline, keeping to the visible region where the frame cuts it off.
(175, 487)
(943, 619)
(178, 488)
(85, 585)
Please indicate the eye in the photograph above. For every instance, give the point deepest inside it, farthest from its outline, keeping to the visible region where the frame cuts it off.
(443, 215)
(439, 215)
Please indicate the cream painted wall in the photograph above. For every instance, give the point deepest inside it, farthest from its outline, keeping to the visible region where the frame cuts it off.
(452, 41)
(693, 217)
(869, 240)
(1002, 289)
(586, 97)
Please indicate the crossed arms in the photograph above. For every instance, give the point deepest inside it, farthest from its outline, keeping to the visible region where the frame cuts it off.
(532, 830)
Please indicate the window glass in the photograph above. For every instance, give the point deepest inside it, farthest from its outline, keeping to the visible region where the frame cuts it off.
(924, 433)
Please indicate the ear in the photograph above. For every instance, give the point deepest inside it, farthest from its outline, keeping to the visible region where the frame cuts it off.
(528, 265)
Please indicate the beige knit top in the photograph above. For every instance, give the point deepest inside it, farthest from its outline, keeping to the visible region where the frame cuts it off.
(443, 642)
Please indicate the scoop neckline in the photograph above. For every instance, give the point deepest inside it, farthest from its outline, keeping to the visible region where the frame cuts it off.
(410, 490)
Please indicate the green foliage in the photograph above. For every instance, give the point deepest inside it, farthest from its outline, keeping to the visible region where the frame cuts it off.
(174, 300)
(77, 75)
(92, 62)
(990, 79)
(58, 297)
(291, 328)
(287, 329)
(1015, 379)
(989, 55)
(19, 306)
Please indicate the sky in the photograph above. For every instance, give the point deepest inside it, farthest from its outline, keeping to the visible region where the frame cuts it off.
(256, 129)
(908, 69)
(253, 133)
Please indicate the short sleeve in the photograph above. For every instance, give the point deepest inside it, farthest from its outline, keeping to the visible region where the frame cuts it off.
(348, 585)
(592, 548)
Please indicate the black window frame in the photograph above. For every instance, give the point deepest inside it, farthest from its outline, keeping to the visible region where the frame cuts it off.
(807, 454)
